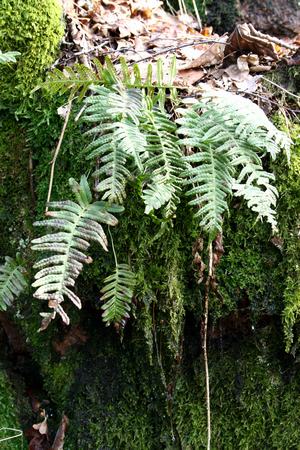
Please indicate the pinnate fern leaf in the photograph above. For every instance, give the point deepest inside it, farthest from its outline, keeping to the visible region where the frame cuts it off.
(12, 282)
(163, 165)
(118, 139)
(117, 295)
(229, 136)
(8, 57)
(75, 225)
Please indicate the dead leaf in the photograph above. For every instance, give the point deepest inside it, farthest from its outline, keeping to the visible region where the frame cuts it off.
(41, 427)
(59, 440)
(209, 57)
(190, 76)
(246, 39)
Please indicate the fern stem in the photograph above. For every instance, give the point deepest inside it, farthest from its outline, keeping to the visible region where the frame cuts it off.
(204, 343)
(113, 247)
(61, 137)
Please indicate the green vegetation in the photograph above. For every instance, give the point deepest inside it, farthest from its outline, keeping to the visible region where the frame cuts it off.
(9, 423)
(34, 28)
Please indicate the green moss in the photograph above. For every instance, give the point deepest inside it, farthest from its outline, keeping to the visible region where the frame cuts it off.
(288, 182)
(8, 415)
(251, 398)
(15, 198)
(35, 29)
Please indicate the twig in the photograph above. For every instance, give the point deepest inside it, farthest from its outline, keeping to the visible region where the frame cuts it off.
(204, 344)
(281, 88)
(197, 14)
(172, 49)
(69, 107)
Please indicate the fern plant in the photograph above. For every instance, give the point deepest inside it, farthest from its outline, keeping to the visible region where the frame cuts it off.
(117, 295)
(8, 57)
(163, 167)
(118, 139)
(78, 79)
(76, 225)
(12, 282)
(228, 145)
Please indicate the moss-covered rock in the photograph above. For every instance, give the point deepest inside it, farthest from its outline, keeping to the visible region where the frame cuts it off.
(35, 29)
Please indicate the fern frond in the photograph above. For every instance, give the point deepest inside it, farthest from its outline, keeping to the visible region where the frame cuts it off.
(77, 80)
(118, 138)
(8, 57)
(76, 225)
(12, 282)
(253, 184)
(209, 179)
(238, 132)
(117, 294)
(164, 164)
(251, 123)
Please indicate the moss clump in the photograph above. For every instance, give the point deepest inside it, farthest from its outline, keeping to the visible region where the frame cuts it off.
(254, 400)
(288, 183)
(35, 29)
(8, 415)
(15, 198)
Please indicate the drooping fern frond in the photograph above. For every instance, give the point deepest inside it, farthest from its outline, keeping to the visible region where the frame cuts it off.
(220, 131)
(164, 164)
(209, 178)
(8, 57)
(117, 295)
(12, 282)
(75, 225)
(118, 140)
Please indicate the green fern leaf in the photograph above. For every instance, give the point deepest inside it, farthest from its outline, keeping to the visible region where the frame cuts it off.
(8, 57)
(117, 294)
(209, 179)
(76, 225)
(118, 139)
(164, 164)
(237, 132)
(12, 282)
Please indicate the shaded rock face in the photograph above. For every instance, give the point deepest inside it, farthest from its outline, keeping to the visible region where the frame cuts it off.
(276, 17)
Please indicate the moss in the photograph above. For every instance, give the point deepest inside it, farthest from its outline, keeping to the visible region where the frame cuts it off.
(288, 182)
(35, 29)
(9, 415)
(251, 390)
(15, 199)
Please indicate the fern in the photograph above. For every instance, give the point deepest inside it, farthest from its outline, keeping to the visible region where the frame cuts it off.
(229, 142)
(12, 282)
(78, 79)
(77, 224)
(209, 178)
(118, 139)
(117, 295)
(8, 57)
(164, 164)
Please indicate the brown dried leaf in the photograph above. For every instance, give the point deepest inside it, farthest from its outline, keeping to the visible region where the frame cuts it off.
(246, 39)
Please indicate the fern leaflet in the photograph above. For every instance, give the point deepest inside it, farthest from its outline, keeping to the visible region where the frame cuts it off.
(12, 282)
(164, 164)
(118, 138)
(8, 57)
(117, 294)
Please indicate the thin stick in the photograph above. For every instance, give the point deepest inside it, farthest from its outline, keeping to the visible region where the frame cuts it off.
(204, 344)
(197, 14)
(282, 88)
(69, 107)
